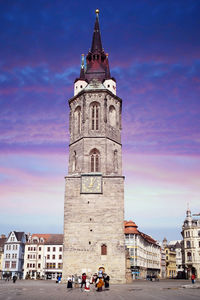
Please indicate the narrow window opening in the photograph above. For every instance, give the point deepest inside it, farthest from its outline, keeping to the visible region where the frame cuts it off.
(95, 161)
(104, 249)
(89, 243)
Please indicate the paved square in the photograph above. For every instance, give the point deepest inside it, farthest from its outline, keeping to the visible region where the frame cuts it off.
(138, 290)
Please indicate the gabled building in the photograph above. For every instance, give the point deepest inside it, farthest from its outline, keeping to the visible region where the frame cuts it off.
(170, 254)
(191, 238)
(43, 256)
(2, 242)
(144, 251)
(13, 261)
(178, 247)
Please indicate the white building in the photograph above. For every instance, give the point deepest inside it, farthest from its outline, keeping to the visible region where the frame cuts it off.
(13, 261)
(43, 256)
(191, 238)
(144, 251)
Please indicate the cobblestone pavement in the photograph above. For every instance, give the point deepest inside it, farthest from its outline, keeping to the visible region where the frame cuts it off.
(138, 290)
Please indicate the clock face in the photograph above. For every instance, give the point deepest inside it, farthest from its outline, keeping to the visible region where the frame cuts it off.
(91, 184)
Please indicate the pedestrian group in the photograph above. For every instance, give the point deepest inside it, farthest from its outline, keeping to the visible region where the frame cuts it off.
(99, 280)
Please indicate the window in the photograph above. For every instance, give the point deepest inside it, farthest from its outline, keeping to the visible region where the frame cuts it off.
(13, 265)
(39, 256)
(188, 244)
(48, 256)
(40, 248)
(199, 233)
(94, 160)
(7, 264)
(39, 266)
(53, 256)
(95, 111)
(48, 248)
(60, 256)
(199, 243)
(59, 265)
(54, 249)
(103, 249)
(189, 256)
(60, 249)
(27, 265)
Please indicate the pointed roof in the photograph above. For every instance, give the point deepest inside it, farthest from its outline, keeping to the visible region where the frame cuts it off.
(96, 40)
(97, 65)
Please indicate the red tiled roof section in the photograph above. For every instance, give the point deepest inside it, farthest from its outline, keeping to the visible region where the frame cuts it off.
(41, 235)
(50, 239)
(130, 227)
(148, 238)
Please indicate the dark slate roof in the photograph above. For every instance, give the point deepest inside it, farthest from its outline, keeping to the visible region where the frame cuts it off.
(19, 235)
(97, 66)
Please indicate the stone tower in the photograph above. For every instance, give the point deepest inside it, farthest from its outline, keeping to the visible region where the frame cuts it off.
(94, 191)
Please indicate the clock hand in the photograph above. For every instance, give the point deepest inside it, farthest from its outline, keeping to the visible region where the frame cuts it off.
(92, 181)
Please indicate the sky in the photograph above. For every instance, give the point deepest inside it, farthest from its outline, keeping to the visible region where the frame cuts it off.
(154, 54)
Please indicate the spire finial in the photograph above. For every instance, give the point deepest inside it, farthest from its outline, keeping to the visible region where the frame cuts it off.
(97, 11)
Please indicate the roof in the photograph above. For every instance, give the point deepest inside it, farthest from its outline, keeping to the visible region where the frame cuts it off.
(97, 66)
(49, 238)
(131, 228)
(19, 235)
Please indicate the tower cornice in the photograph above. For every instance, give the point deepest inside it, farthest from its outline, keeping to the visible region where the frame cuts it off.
(92, 92)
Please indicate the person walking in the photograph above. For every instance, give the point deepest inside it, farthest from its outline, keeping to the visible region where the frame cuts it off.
(14, 278)
(106, 280)
(69, 283)
(83, 282)
(193, 278)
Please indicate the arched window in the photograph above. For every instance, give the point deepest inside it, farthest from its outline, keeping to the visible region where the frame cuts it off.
(94, 161)
(77, 117)
(112, 116)
(103, 249)
(95, 115)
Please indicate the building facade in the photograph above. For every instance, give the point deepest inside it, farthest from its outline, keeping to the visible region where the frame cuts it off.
(170, 254)
(43, 256)
(13, 261)
(178, 247)
(191, 239)
(2, 242)
(94, 191)
(144, 251)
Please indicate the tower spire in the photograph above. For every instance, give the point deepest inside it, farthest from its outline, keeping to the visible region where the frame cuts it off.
(96, 40)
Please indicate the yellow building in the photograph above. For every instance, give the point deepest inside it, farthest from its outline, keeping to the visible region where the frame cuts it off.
(170, 253)
(2, 242)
